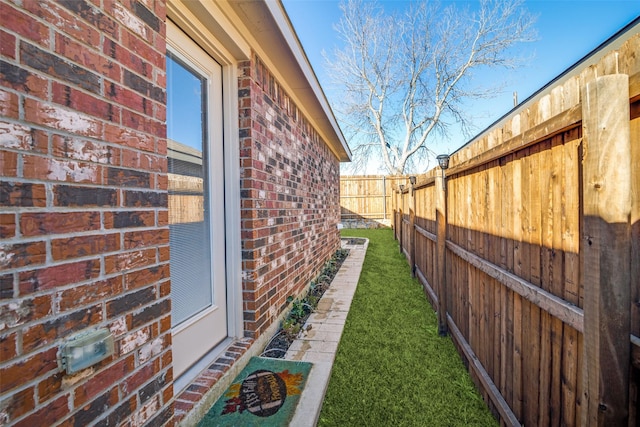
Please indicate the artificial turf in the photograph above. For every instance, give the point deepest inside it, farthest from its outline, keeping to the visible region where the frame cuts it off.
(392, 368)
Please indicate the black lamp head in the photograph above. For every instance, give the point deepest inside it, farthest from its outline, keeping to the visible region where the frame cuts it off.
(443, 161)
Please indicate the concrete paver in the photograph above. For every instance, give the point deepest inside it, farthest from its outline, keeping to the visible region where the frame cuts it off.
(322, 331)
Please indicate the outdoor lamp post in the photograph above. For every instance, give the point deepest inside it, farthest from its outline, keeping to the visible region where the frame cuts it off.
(412, 180)
(441, 246)
(443, 161)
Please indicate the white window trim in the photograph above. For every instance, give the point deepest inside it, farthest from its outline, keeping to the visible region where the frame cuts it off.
(235, 323)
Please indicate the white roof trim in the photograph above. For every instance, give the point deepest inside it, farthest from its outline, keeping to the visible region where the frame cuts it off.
(277, 10)
(272, 30)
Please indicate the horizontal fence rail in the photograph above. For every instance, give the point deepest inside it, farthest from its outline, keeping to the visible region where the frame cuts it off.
(530, 251)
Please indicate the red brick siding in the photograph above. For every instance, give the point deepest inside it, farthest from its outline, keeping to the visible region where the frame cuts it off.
(289, 195)
(83, 210)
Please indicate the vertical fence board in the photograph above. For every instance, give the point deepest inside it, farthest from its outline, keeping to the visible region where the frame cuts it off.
(496, 313)
(634, 403)
(518, 257)
(534, 332)
(518, 398)
(606, 254)
(546, 257)
(528, 375)
(556, 276)
(570, 393)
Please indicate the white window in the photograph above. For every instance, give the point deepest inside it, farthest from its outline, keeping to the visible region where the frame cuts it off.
(196, 172)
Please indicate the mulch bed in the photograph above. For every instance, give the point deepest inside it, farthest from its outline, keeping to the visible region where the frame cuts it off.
(302, 308)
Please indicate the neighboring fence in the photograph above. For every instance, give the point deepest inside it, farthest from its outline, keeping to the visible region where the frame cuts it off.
(530, 253)
(365, 200)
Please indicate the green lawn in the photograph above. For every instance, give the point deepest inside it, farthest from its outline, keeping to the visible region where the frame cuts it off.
(392, 368)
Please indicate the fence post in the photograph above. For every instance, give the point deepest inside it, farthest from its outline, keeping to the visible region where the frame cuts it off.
(441, 266)
(384, 198)
(393, 214)
(400, 219)
(606, 250)
(396, 208)
(412, 231)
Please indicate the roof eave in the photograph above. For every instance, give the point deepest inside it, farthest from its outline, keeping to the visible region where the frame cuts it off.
(269, 25)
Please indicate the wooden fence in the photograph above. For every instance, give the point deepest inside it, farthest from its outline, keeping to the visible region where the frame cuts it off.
(530, 251)
(365, 200)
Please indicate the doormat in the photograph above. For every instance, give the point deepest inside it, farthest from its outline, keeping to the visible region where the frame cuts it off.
(265, 393)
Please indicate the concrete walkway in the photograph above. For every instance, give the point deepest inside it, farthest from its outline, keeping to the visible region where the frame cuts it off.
(319, 343)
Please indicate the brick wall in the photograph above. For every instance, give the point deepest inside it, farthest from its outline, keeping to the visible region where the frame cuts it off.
(83, 216)
(290, 198)
(83, 208)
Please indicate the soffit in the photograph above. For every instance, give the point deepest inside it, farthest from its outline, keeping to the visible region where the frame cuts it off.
(242, 25)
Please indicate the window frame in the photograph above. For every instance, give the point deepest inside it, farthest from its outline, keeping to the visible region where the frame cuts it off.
(230, 131)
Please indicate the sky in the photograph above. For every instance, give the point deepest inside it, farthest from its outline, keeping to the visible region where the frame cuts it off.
(567, 30)
(184, 104)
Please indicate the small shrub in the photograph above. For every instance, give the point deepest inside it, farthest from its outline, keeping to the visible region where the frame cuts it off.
(303, 307)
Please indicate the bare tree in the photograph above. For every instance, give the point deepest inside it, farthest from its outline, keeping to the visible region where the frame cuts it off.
(405, 78)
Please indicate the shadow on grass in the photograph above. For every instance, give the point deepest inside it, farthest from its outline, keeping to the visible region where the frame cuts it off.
(392, 368)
